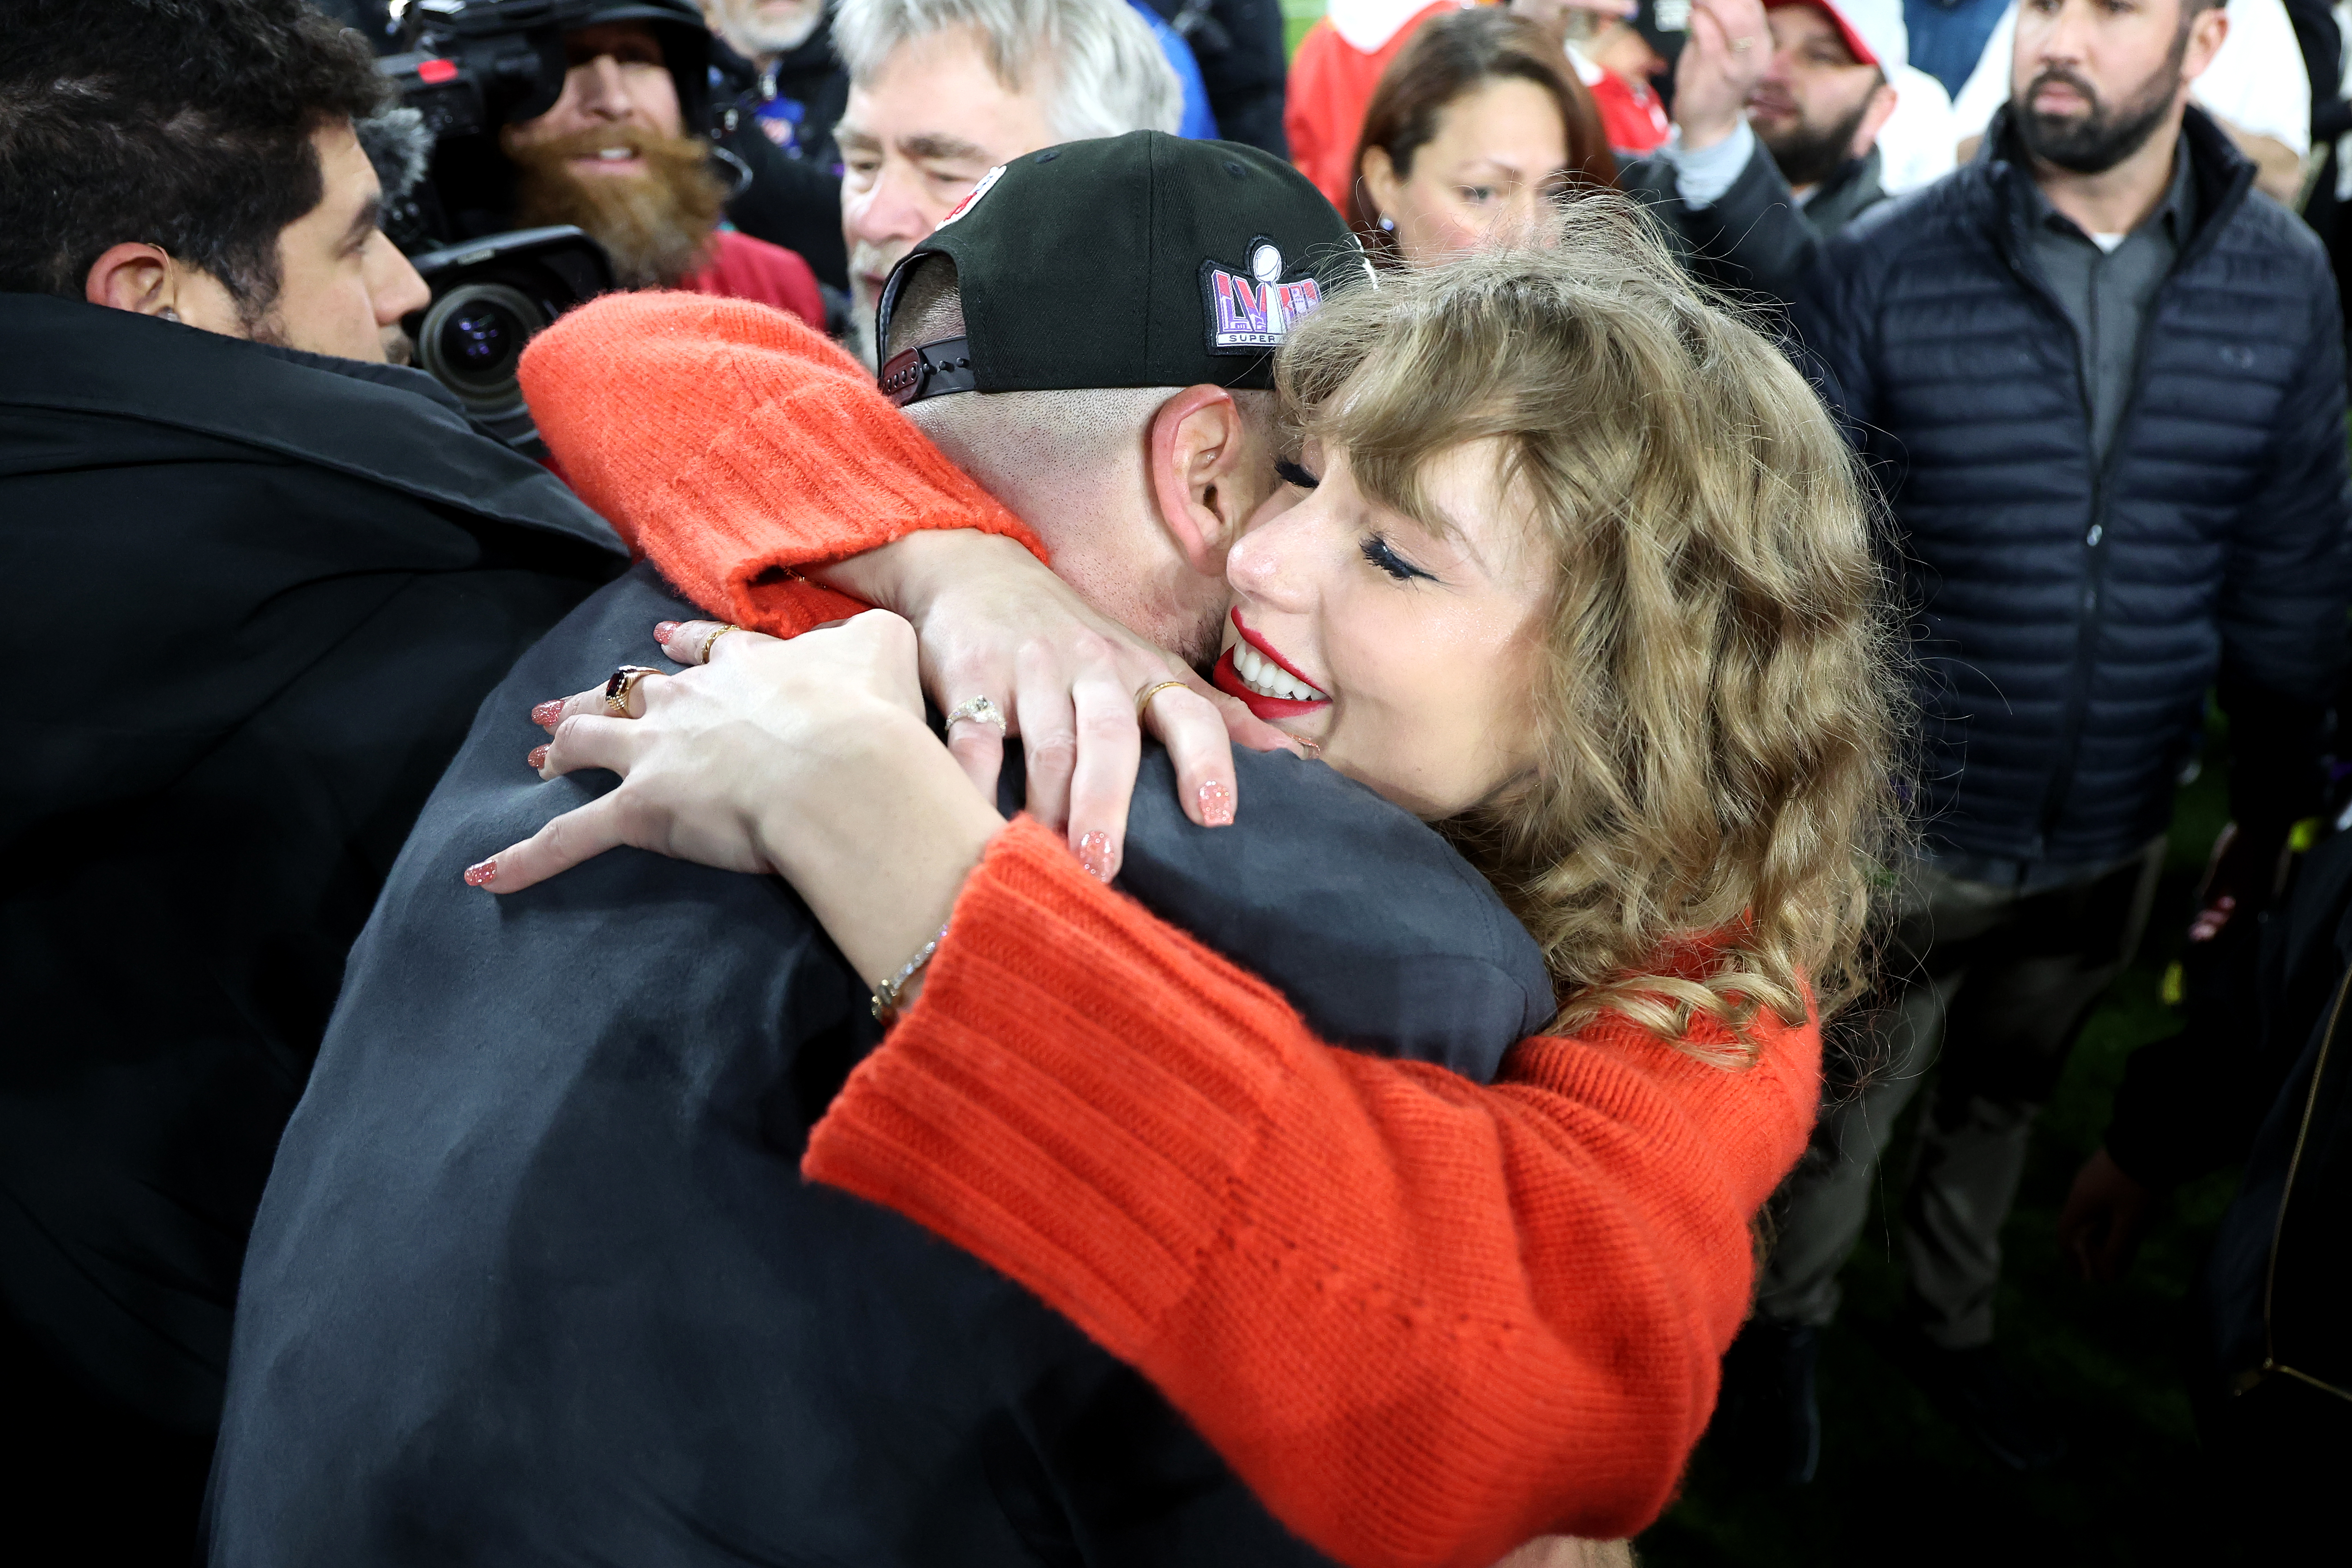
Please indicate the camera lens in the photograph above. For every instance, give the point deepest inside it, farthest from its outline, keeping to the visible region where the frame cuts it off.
(472, 341)
(481, 338)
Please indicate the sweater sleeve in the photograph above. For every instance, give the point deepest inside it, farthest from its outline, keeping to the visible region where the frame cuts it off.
(1425, 1321)
(735, 447)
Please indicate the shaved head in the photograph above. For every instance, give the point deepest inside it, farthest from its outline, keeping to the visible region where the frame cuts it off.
(1077, 466)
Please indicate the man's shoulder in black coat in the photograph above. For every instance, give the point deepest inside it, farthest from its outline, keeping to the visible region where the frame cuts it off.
(286, 582)
(537, 1275)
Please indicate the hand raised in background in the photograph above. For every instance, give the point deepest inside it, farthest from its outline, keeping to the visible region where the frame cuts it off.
(1727, 51)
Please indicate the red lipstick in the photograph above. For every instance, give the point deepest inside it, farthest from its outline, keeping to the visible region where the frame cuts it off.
(1267, 649)
(1226, 679)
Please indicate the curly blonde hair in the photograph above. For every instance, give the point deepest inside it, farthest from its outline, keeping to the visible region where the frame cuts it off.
(1719, 707)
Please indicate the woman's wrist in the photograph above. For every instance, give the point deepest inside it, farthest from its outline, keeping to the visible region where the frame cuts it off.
(906, 576)
(882, 851)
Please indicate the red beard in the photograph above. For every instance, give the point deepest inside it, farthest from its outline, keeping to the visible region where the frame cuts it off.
(656, 225)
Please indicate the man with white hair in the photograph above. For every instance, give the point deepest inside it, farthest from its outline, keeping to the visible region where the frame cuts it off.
(941, 91)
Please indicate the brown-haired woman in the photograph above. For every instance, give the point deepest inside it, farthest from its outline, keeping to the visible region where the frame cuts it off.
(1573, 565)
(1474, 128)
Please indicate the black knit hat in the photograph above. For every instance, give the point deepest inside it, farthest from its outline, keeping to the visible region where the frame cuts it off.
(1135, 260)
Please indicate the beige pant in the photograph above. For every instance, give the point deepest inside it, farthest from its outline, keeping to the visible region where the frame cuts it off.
(1568, 1551)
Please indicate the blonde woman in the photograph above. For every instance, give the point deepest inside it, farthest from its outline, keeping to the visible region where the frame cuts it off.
(1573, 565)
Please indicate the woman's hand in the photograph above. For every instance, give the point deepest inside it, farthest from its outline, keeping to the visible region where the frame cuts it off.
(807, 757)
(994, 622)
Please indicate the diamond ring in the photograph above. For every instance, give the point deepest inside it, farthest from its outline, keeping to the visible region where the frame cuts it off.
(979, 711)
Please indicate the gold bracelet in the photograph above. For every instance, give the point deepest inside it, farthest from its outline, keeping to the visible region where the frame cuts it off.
(887, 995)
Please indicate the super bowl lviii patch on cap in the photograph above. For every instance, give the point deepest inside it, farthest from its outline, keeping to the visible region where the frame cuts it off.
(1251, 314)
(971, 199)
(1135, 260)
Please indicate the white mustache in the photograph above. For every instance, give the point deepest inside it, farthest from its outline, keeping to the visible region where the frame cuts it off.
(873, 260)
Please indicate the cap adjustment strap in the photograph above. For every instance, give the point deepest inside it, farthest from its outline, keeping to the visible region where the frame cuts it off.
(930, 370)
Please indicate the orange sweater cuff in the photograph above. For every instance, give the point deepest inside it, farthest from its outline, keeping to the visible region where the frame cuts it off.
(735, 447)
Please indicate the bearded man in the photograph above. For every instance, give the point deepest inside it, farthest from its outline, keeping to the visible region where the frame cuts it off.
(1775, 143)
(2103, 378)
(798, 87)
(614, 156)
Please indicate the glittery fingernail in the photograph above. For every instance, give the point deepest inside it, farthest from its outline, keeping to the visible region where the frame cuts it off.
(548, 712)
(479, 875)
(664, 630)
(1216, 804)
(538, 757)
(1094, 854)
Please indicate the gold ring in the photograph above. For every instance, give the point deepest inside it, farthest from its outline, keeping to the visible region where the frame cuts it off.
(1740, 45)
(620, 683)
(1143, 698)
(704, 656)
(979, 711)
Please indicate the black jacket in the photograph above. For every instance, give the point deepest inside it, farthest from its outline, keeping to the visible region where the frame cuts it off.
(536, 1278)
(2262, 1076)
(792, 199)
(2070, 616)
(1755, 239)
(1245, 67)
(273, 588)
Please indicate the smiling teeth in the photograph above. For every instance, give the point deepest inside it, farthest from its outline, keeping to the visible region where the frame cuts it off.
(616, 154)
(1267, 679)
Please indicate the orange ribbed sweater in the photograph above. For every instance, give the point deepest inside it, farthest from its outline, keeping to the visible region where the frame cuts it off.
(1424, 1320)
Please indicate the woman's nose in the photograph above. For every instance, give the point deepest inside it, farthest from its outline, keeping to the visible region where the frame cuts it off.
(1267, 562)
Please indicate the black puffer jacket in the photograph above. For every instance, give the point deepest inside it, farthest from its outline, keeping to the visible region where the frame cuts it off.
(1753, 240)
(1238, 46)
(2068, 616)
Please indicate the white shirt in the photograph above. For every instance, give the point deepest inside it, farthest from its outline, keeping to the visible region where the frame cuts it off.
(2257, 82)
(1916, 146)
(1367, 24)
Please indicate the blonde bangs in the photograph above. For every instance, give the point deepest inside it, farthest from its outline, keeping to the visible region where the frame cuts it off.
(1719, 713)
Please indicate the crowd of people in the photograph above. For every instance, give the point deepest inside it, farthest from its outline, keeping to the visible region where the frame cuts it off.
(1183, 801)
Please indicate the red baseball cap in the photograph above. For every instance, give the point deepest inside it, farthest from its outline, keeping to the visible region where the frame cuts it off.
(1872, 29)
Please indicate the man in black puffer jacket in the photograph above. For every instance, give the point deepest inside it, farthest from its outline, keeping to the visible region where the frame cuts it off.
(2102, 383)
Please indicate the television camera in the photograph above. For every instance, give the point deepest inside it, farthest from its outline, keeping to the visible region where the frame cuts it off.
(474, 68)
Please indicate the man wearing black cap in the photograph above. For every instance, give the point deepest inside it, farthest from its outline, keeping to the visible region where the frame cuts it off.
(536, 1275)
(1172, 357)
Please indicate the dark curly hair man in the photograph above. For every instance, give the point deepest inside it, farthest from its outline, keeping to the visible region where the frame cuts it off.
(287, 544)
(195, 159)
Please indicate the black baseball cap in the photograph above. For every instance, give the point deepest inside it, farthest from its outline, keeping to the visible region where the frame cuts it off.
(1664, 25)
(1135, 260)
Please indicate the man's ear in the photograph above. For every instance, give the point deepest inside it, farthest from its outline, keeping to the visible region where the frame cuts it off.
(132, 277)
(1875, 116)
(2207, 30)
(1381, 181)
(1197, 441)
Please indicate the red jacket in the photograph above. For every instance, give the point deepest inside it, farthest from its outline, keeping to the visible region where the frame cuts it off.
(1331, 83)
(742, 267)
(1425, 1319)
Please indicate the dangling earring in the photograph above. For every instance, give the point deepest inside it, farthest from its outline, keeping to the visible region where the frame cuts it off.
(169, 314)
